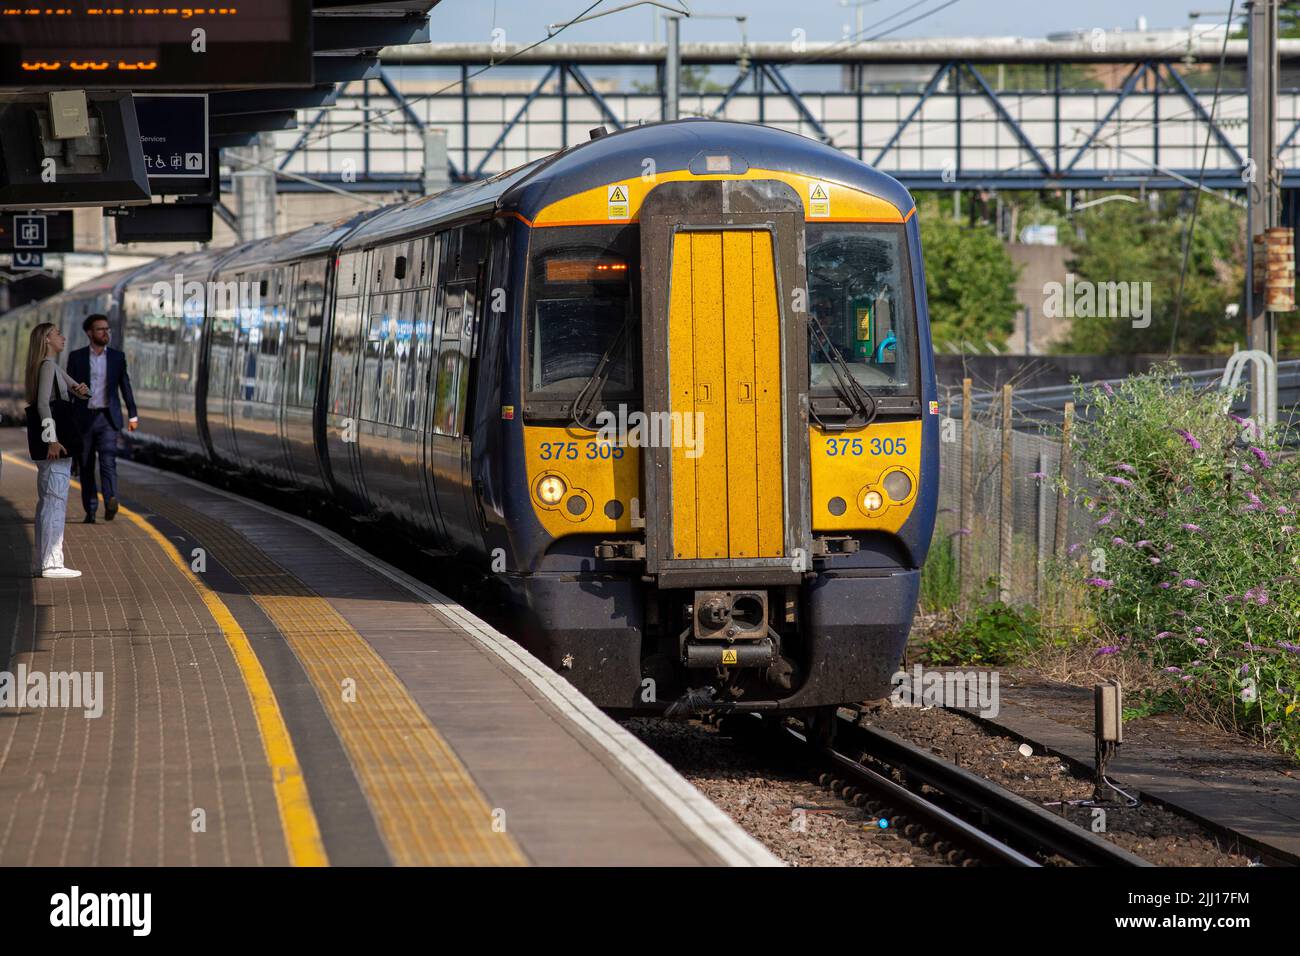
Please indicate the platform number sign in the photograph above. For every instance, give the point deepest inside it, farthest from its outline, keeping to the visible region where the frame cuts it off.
(30, 232)
(29, 260)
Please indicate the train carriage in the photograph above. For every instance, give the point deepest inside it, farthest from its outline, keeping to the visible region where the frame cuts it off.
(672, 390)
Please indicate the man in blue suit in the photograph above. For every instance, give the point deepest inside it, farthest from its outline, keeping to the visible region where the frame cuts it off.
(100, 418)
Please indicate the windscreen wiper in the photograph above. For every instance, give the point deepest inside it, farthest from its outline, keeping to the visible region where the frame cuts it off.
(853, 392)
(587, 402)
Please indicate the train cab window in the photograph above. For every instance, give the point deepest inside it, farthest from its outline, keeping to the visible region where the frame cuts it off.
(583, 305)
(860, 293)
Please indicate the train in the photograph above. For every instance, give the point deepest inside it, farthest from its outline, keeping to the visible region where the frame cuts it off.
(671, 390)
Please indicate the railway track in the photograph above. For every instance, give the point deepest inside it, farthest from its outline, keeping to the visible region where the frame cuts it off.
(957, 814)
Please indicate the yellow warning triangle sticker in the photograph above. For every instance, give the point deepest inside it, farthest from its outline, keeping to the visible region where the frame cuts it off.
(618, 195)
(818, 192)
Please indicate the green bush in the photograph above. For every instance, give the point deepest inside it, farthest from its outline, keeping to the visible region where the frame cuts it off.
(1191, 562)
(940, 584)
(993, 634)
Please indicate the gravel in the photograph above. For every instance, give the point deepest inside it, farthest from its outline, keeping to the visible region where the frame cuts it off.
(775, 801)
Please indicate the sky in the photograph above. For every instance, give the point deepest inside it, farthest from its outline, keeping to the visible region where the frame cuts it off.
(525, 21)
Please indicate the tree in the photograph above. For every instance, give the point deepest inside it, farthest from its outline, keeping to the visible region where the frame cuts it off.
(1127, 242)
(969, 280)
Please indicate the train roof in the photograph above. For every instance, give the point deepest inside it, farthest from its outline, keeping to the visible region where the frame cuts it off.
(310, 242)
(673, 146)
(459, 201)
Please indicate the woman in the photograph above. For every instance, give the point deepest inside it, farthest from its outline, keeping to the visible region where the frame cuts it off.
(46, 381)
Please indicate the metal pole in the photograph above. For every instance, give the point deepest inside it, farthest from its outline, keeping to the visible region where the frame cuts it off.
(965, 531)
(254, 188)
(1007, 504)
(1262, 194)
(1063, 491)
(672, 67)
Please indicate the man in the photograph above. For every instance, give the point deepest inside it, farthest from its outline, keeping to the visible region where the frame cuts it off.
(100, 418)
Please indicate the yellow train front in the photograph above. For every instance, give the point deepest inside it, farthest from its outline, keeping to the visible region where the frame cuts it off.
(717, 459)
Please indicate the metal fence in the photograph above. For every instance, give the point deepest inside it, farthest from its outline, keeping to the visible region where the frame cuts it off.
(1001, 505)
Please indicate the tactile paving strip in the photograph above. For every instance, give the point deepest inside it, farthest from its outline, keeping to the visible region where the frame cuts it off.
(427, 806)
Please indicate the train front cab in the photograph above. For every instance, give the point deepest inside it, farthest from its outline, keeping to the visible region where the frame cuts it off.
(755, 542)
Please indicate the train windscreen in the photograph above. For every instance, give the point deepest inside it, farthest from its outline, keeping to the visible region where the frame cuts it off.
(860, 291)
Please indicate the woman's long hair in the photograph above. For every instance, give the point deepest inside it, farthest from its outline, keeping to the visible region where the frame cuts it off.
(37, 352)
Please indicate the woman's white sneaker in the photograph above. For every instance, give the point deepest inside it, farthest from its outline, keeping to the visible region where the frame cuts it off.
(60, 573)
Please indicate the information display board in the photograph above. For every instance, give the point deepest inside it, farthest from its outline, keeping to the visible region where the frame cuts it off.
(81, 45)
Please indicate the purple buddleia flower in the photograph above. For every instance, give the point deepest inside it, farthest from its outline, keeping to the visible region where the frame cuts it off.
(1103, 651)
(1126, 468)
(1153, 561)
(1191, 527)
(1283, 510)
(1262, 456)
(1203, 642)
(1118, 542)
(1245, 669)
(1105, 387)
(1191, 583)
(1106, 520)
(1117, 480)
(1163, 634)
(1164, 585)
(1286, 646)
(1198, 630)
(1100, 582)
(1144, 543)
(1037, 474)
(1189, 438)
(1173, 670)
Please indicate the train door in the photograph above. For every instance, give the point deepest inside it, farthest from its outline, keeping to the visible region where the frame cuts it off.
(455, 316)
(725, 355)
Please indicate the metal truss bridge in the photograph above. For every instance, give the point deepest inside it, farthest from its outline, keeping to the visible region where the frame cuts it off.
(1119, 112)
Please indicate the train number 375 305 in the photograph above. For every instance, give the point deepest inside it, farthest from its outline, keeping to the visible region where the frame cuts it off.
(572, 451)
(840, 447)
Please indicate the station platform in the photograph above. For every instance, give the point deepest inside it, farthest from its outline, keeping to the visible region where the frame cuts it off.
(269, 694)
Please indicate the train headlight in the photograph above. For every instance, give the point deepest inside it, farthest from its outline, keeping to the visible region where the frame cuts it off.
(897, 485)
(551, 489)
(871, 501)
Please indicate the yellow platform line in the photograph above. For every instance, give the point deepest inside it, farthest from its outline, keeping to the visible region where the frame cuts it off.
(426, 805)
(297, 818)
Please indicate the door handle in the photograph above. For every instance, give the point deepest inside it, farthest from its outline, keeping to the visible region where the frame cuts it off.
(746, 391)
(703, 393)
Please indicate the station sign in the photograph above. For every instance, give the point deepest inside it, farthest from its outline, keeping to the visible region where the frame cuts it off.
(174, 140)
(39, 232)
(81, 45)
